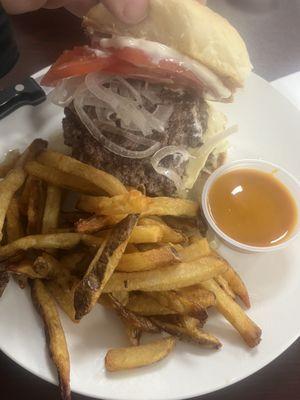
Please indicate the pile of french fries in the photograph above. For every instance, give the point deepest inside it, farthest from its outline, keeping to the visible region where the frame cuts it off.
(80, 239)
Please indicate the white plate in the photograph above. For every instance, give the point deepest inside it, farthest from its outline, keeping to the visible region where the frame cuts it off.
(269, 128)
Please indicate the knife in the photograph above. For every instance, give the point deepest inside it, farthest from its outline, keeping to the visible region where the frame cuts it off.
(27, 92)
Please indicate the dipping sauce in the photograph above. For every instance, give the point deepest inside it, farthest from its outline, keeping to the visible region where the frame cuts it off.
(252, 207)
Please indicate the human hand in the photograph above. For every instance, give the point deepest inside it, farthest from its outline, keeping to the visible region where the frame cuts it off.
(128, 11)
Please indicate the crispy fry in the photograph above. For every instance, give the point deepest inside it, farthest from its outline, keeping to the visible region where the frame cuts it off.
(47, 265)
(50, 241)
(133, 333)
(225, 286)
(104, 181)
(169, 234)
(8, 186)
(30, 153)
(205, 298)
(9, 162)
(142, 304)
(135, 202)
(169, 277)
(52, 209)
(237, 285)
(71, 260)
(102, 266)
(96, 222)
(121, 297)
(61, 179)
(147, 260)
(55, 336)
(64, 297)
(188, 333)
(146, 234)
(25, 194)
(249, 331)
(14, 228)
(35, 207)
(138, 356)
(25, 267)
(196, 250)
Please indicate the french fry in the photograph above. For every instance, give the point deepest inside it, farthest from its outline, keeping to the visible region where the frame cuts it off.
(9, 162)
(102, 266)
(135, 202)
(64, 296)
(24, 196)
(14, 228)
(203, 297)
(47, 265)
(147, 260)
(133, 333)
(168, 277)
(225, 286)
(8, 186)
(237, 285)
(4, 279)
(71, 260)
(169, 234)
(61, 179)
(104, 181)
(96, 222)
(138, 356)
(35, 207)
(249, 331)
(52, 209)
(25, 267)
(30, 153)
(188, 333)
(55, 336)
(146, 234)
(142, 304)
(49, 241)
(196, 250)
(121, 297)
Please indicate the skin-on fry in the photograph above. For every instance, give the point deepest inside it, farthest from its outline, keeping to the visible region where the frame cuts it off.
(188, 333)
(225, 286)
(147, 260)
(52, 209)
(9, 162)
(133, 333)
(142, 304)
(71, 260)
(169, 234)
(249, 331)
(50, 241)
(102, 266)
(135, 202)
(138, 356)
(35, 207)
(139, 322)
(168, 277)
(59, 178)
(97, 222)
(196, 250)
(47, 265)
(64, 296)
(55, 336)
(237, 285)
(203, 297)
(104, 181)
(25, 267)
(14, 228)
(8, 186)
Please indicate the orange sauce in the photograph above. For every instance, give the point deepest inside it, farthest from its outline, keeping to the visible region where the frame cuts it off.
(252, 207)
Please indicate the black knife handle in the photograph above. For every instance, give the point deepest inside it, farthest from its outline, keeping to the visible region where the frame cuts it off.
(27, 92)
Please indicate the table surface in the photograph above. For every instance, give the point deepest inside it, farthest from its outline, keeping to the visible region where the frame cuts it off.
(271, 29)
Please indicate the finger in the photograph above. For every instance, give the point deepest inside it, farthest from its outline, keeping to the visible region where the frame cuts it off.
(80, 7)
(51, 4)
(128, 11)
(22, 6)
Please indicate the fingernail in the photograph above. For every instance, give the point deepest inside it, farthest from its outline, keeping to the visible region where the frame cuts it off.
(135, 11)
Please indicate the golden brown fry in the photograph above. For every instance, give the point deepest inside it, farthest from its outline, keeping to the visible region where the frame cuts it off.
(24, 196)
(168, 277)
(102, 266)
(169, 234)
(225, 286)
(249, 331)
(25, 267)
(188, 332)
(142, 304)
(55, 336)
(146, 234)
(133, 333)
(61, 179)
(237, 285)
(121, 297)
(30, 153)
(9, 162)
(70, 261)
(49, 241)
(203, 297)
(171, 206)
(35, 207)
(104, 181)
(138, 356)
(52, 209)
(147, 260)
(47, 265)
(194, 251)
(8, 186)
(97, 222)
(64, 296)
(14, 228)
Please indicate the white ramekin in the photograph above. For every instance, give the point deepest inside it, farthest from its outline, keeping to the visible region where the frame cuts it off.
(281, 174)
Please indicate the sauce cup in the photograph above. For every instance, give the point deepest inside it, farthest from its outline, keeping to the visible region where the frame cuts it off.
(290, 182)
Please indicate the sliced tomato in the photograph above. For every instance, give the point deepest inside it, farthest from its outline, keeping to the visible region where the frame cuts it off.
(77, 62)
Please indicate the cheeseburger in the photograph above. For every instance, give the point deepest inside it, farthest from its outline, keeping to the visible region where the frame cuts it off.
(138, 98)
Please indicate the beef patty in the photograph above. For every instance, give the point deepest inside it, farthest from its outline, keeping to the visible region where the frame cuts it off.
(185, 127)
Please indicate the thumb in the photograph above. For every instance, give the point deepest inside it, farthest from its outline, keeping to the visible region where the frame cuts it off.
(128, 11)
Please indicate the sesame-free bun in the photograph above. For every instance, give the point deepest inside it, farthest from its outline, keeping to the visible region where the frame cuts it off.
(188, 27)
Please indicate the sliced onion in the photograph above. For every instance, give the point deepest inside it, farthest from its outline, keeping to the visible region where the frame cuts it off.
(79, 104)
(169, 172)
(63, 93)
(163, 113)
